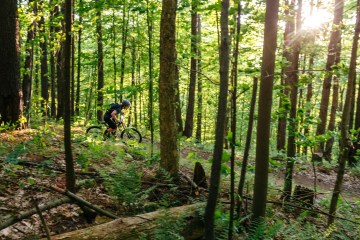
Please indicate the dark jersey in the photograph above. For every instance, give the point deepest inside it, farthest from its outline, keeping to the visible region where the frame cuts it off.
(117, 107)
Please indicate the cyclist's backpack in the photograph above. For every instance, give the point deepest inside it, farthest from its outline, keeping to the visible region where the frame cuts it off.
(114, 106)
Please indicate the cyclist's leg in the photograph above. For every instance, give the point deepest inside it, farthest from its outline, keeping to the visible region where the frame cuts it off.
(112, 126)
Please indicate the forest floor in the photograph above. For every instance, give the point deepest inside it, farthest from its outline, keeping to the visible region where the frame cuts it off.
(33, 160)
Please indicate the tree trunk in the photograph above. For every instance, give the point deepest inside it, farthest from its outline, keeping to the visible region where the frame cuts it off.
(220, 122)
(199, 85)
(52, 62)
(72, 95)
(264, 110)
(287, 70)
(168, 131)
(333, 58)
(100, 65)
(125, 24)
(309, 94)
(248, 141)
(234, 77)
(44, 63)
(77, 100)
(178, 103)
(70, 173)
(11, 105)
(142, 226)
(189, 120)
(331, 127)
(345, 143)
(59, 67)
(150, 49)
(293, 83)
(114, 54)
(28, 65)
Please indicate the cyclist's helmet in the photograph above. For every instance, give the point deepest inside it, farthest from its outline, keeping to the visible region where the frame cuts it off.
(126, 103)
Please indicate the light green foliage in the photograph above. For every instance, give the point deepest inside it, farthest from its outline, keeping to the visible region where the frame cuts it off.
(18, 151)
(171, 227)
(123, 182)
(355, 171)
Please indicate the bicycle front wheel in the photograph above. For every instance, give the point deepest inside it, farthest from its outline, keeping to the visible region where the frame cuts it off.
(94, 132)
(131, 134)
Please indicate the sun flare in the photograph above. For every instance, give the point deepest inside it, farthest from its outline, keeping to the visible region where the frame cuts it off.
(317, 19)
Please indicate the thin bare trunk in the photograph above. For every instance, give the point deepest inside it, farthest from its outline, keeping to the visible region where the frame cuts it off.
(345, 143)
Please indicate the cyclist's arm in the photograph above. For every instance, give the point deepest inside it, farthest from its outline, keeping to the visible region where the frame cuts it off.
(113, 116)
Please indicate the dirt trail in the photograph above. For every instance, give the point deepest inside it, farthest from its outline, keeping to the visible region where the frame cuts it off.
(324, 184)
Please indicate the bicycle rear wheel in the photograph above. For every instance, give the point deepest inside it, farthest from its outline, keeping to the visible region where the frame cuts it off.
(94, 132)
(131, 134)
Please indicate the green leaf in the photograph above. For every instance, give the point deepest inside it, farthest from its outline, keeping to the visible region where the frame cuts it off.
(225, 157)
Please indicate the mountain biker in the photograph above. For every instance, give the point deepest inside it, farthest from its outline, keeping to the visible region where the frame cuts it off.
(110, 115)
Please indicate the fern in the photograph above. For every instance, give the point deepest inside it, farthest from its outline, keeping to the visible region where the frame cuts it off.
(170, 227)
(257, 229)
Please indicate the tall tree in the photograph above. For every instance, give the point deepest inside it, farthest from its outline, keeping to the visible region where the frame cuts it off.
(248, 142)
(287, 70)
(331, 127)
(199, 85)
(70, 173)
(220, 122)
(189, 120)
(28, 64)
(60, 63)
(72, 94)
(333, 58)
(168, 131)
(52, 59)
(77, 100)
(100, 61)
(124, 35)
(11, 105)
(293, 83)
(264, 109)
(114, 53)
(150, 52)
(345, 143)
(44, 61)
(234, 78)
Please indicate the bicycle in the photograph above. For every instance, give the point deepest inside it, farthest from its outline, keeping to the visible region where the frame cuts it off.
(127, 133)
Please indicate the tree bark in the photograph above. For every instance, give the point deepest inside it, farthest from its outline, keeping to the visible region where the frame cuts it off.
(220, 123)
(52, 62)
(189, 120)
(333, 58)
(44, 64)
(28, 65)
(150, 52)
(329, 144)
(234, 79)
(11, 105)
(60, 64)
(264, 110)
(345, 143)
(125, 25)
(70, 172)
(293, 83)
(100, 64)
(168, 131)
(248, 141)
(287, 70)
(199, 86)
(77, 100)
(141, 226)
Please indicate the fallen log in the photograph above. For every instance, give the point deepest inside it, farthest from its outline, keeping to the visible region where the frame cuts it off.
(17, 218)
(142, 226)
(83, 202)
